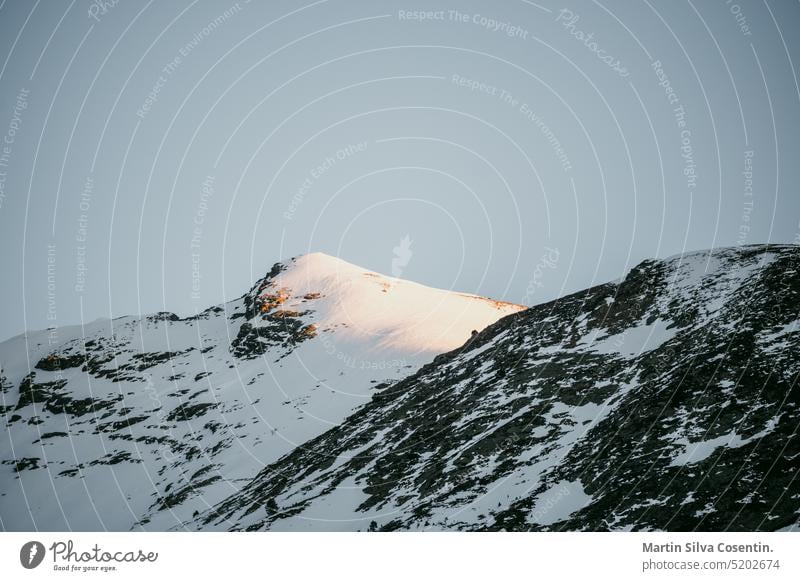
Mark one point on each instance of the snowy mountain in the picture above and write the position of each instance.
(145, 422)
(664, 401)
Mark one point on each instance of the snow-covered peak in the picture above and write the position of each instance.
(375, 311)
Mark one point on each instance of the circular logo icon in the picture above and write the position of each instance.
(31, 554)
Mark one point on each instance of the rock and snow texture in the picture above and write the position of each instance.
(147, 422)
(665, 401)
(317, 401)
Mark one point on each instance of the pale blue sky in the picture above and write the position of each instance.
(520, 164)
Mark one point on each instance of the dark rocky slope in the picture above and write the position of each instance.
(665, 401)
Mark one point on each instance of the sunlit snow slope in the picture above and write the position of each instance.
(377, 314)
(147, 421)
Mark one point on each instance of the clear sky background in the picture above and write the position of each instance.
(163, 155)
